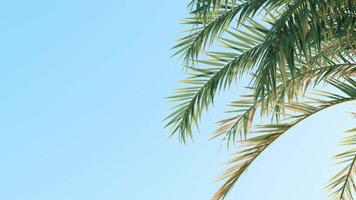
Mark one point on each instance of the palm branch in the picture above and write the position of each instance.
(342, 185)
(285, 47)
(296, 112)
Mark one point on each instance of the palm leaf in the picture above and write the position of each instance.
(268, 133)
(206, 82)
(241, 123)
(342, 185)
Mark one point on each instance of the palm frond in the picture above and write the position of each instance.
(205, 83)
(305, 43)
(212, 26)
(268, 133)
(242, 122)
(211, 18)
(342, 185)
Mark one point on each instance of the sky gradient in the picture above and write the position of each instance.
(81, 108)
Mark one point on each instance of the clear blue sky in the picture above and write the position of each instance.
(82, 86)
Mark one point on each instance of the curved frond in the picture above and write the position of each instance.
(267, 134)
(206, 82)
(307, 43)
(342, 185)
(242, 122)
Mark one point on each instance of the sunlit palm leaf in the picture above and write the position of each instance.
(287, 46)
(268, 133)
(342, 185)
(241, 123)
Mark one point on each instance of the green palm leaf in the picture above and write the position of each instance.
(286, 48)
(206, 82)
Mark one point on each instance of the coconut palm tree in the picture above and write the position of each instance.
(287, 49)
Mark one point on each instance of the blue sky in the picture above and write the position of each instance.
(81, 108)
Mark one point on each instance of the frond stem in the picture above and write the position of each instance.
(347, 178)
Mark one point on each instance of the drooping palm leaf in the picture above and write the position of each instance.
(342, 185)
(319, 68)
(206, 82)
(274, 55)
(287, 45)
(268, 133)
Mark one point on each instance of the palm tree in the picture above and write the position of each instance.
(287, 48)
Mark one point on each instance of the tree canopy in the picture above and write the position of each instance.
(286, 48)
